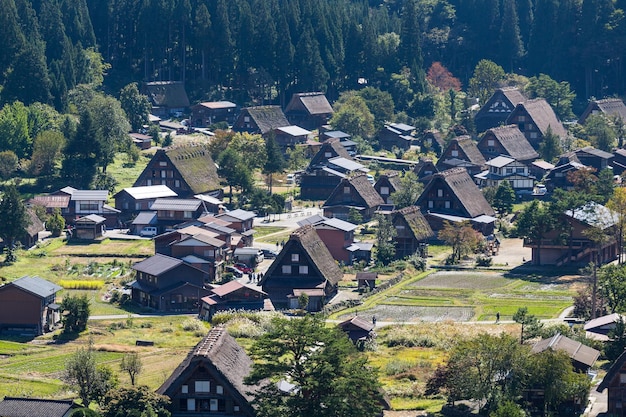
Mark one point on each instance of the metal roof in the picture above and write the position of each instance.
(239, 214)
(92, 195)
(150, 191)
(146, 217)
(176, 204)
(157, 264)
(36, 285)
(294, 130)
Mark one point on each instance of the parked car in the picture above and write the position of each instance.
(148, 231)
(237, 273)
(243, 268)
(269, 254)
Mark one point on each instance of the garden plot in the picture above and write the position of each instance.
(405, 313)
(463, 280)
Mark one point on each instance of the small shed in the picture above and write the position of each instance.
(357, 329)
(90, 227)
(366, 280)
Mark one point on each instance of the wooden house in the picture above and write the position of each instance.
(209, 112)
(210, 380)
(451, 195)
(136, 199)
(615, 382)
(338, 236)
(557, 176)
(412, 232)
(618, 163)
(304, 265)
(173, 211)
(260, 119)
(21, 407)
(167, 98)
(353, 193)
(577, 248)
(508, 141)
(289, 136)
(357, 329)
(168, 284)
(141, 141)
(143, 219)
(498, 108)
(583, 357)
(612, 107)
(28, 305)
(233, 295)
(396, 135)
(462, 152)
(424, 169)
(540, 168)
(344, 140)
(534, 118)
(309, 110)
(90, 227)
(594, 158)
(186, 170)
(504, 168)
(327, 168)
(386, 185)
(433, 141)
(206, 247)
(32, 231)
(366, 280)
(599, 328)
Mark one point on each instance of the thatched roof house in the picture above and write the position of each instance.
(353, 193)
(309, 110)
(534, 118)
(215, 367)
(304, 263)
(260, 119)
(186, 170)
(608, 107)
(509, 141)
(412, 232)
(498, 108)
(462, 152)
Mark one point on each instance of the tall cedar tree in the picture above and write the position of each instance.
(275, 162)
(14, 219)
(324, 366)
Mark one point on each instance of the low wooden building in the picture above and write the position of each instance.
(90, 227)
(232, 295)
(412, 232)
(28, 305)
(357, 329)
(354, 193)
(210, 380)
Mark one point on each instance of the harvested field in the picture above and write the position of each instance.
(463, 279)
(403, 313)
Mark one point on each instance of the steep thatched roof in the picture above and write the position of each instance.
(542, 115)
(267, 118)
(607, 106)
(312, 103)
(513, 141)
(469, 148)
(332, 147)
(318, 255)
(224, 359)
(413, 217)
(167, 93)
(35, 225)
(195, 165)
(362, 187)
(463, 188)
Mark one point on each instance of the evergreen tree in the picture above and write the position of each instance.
(504, 198)
(27, 79)
(14, 220)
(550, 147)
(511, 47)
(136, 106)
(410, 45)
(275, 162)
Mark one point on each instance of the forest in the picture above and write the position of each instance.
(261, 51)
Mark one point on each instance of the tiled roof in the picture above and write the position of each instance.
(157, 264)
(37, 286)
(175, 204)
(34, 407)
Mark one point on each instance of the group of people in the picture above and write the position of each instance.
(255, 278)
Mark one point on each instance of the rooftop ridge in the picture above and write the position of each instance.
(210, 340)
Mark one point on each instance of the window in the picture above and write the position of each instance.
(213, 404)
(346, 190)
(188, 214)
(88, 206)
(286, 269)
(490, 142)
(519, 170)
(163, 174)
(162, 163)
(203, 386)
(295, 257)
(235, 408)
(440, 192)
(149, 182)
(430, 204)
(447, 204)
(384, 190)
(529, 126)
(509, 170)
(137, 206)
(191, 404)
(184, 389)
(533, 135)
(303, 269)
(400, 227)
(177, 183)
(455, 153)
(622, 378)
(521, 118)
(219, 389)
(327, 155)
(246, 119)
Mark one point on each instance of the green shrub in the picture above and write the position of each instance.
(482, 260)
(397, 366)
(418, 262)
(193, 325)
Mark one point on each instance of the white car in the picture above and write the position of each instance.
(148, 231)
